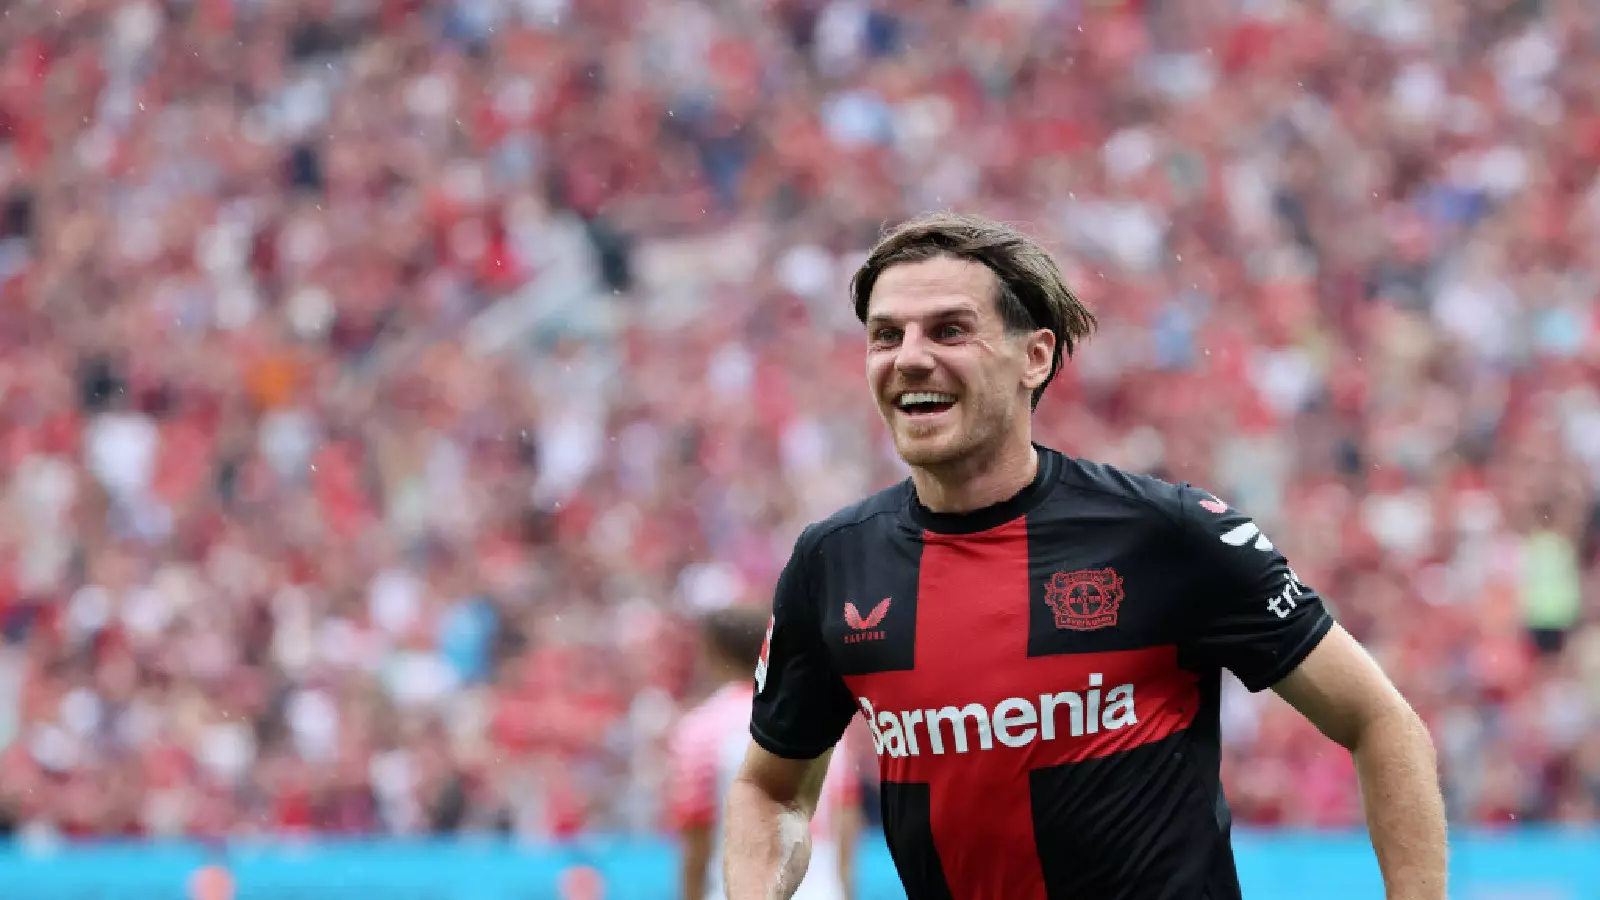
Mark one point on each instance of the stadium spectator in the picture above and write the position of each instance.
(385, 386)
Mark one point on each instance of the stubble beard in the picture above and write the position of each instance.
(977, 435)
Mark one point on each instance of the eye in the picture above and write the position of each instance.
(886, 335)
(949, 331)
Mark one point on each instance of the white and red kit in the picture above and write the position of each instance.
(707, 748)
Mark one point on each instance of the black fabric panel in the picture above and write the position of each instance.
(916, 858)
(1165, 845)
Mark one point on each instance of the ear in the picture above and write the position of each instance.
(1039, 347)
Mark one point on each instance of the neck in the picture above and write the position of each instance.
(975, 483)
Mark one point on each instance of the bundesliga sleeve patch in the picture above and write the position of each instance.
(761, 661)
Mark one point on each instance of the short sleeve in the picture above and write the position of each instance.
(801, 705)
(1254, 616)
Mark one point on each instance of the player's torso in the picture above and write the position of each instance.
(1023, 686)
(1063, 628)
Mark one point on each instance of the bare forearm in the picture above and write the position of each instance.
(767, 845)
(1405, 812)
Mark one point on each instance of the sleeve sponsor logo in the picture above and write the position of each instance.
(1287, 600)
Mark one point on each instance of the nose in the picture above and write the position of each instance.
(914, 356)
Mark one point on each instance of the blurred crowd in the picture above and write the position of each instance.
(385, 384)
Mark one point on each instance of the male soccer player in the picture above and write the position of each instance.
(707, 747)
(1036, 640)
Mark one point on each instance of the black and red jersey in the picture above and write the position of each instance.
(1041, 678)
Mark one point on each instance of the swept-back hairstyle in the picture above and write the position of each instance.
(1032, 293)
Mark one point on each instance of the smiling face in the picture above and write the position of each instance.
(950, 381)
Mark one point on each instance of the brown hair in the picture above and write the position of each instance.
(1032, 293)
(735, 633)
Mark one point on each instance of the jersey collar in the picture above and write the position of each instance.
(990, 516)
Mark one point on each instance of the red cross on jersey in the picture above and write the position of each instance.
(1041, 678)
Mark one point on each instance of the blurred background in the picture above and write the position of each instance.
(386, 384)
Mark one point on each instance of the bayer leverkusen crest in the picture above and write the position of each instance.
(1084, 600)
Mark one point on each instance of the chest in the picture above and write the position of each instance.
(1052, 645)
(1020, 591)
(1024, 618)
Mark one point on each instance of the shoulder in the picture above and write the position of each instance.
(874, 512)
(1110, 486)
(841, 536)
(1224, 541)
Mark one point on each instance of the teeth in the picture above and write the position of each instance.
(911, 397)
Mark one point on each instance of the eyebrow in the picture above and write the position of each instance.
(943, 312)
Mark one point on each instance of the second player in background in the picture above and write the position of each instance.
(707, 749)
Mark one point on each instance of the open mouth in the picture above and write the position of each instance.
(918, 404)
